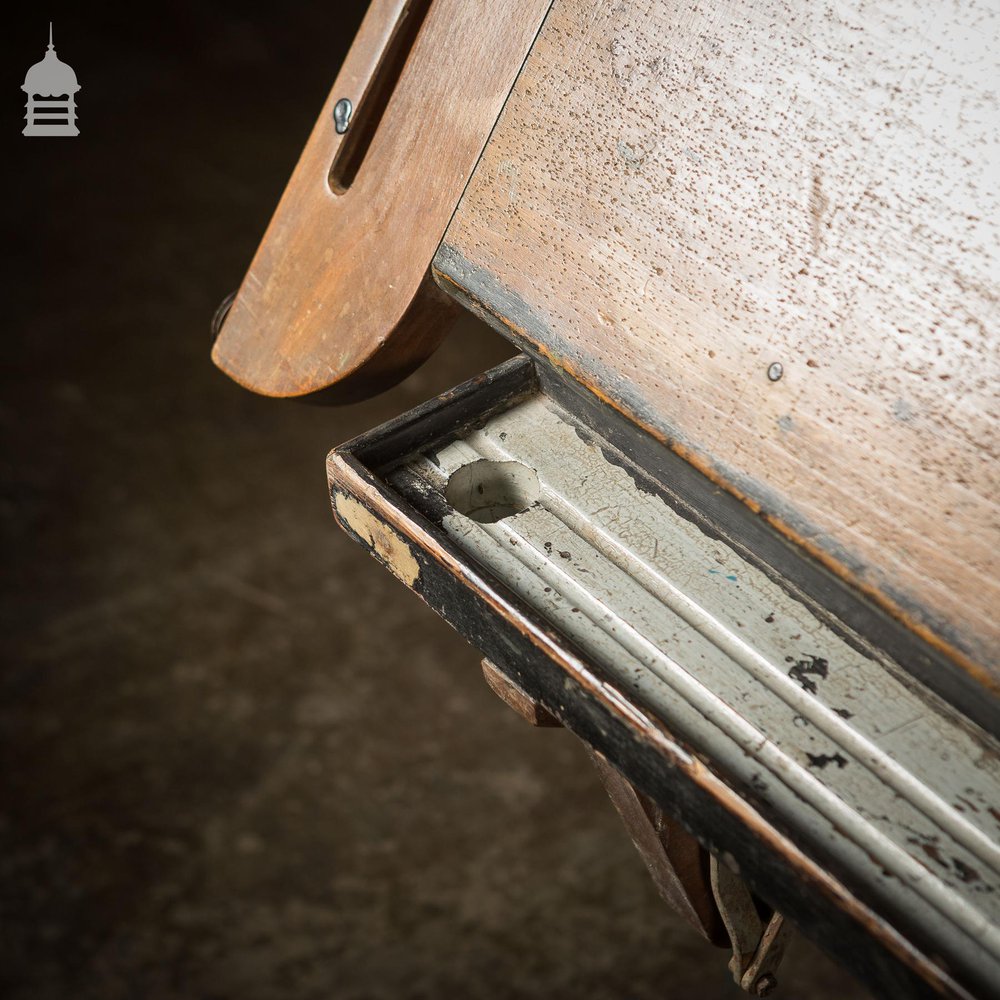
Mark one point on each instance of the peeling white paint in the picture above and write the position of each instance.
(879, 771)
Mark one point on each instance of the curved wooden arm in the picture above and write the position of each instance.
(338, 293)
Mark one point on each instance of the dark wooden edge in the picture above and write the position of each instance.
(729, 517)
(577, 692)
(434, 422)
(869, 629)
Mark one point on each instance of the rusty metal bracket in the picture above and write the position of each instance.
(758, 940)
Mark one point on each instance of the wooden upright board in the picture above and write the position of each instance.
(338, 294)
(680, 194)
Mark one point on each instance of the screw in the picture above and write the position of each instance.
(765, 985)
(775, 370)
(342, 112)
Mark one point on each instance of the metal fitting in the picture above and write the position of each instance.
(765, 985)
(342, 112)
(220, 314)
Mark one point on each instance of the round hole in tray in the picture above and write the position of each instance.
(490, 491)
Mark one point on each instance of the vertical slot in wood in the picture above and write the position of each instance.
(370, 107)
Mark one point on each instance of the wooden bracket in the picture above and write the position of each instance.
(676, 862)
(338, 293)
(515, 697)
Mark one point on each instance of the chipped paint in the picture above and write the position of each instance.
(389, 547)
(743, 671)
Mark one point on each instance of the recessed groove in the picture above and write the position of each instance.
(871, 768)
(370, 106)
(763, 670)
(867, 753)
(734, 727)
(750, 740)
(760, 667)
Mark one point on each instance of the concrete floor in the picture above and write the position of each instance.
(241, 760)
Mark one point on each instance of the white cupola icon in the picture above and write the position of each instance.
(51, 88)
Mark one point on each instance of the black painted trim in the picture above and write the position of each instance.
(872, 631)
(499, 624)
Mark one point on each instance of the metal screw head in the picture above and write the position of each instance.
(775, 370)
(342, 112)
(764, 985)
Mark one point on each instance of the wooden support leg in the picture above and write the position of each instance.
(677, 863)
(712, 899)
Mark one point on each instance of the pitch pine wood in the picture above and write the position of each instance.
(338, 292)
(679, 194)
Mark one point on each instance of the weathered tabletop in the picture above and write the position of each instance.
(678, 195)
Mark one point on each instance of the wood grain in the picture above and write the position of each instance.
(679, 194)
(515, 697)
(339, 293)
(676, 862)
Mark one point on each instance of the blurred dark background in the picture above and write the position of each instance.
(239, 759)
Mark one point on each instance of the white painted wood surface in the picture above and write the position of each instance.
(889, 780)
(679, 194)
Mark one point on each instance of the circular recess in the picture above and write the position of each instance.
(490, 491)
